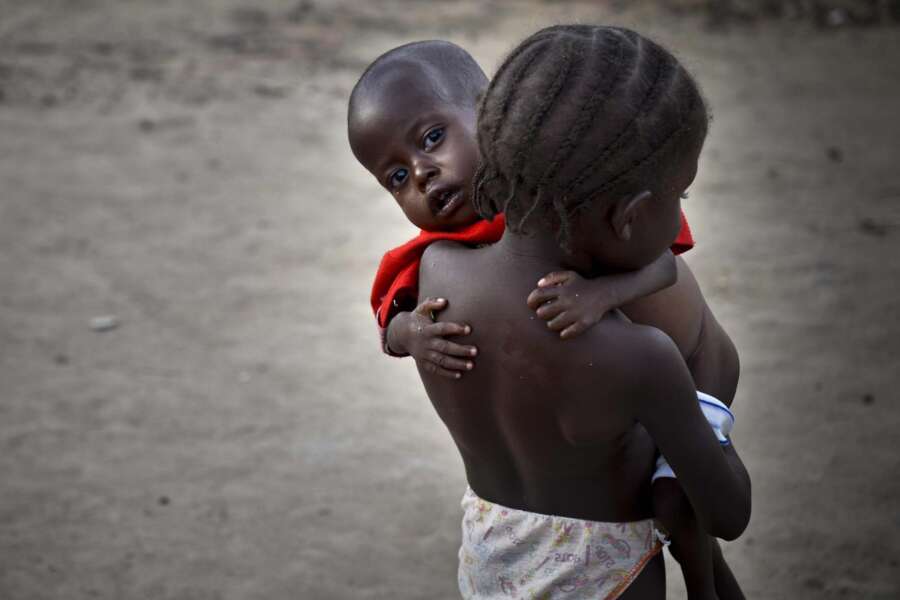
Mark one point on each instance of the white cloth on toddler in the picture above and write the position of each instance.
(719, 417)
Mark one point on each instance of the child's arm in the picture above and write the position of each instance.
(682, 312)
(416, 334)
(571, 304)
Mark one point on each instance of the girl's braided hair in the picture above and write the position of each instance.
(574, 115)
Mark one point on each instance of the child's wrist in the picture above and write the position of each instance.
(606, 296)
(395, 340)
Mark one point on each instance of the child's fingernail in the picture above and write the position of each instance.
(468, 329)
(442, 300)
(541, 281)
(469, 366)
(458, 375)
(473, 351)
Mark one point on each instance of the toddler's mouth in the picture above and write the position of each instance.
(444, 203)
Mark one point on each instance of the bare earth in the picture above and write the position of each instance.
(183, 167)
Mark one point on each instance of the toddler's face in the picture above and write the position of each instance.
(422, 150)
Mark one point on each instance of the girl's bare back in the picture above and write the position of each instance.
(542, 425)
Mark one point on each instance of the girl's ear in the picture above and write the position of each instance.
(624, 213)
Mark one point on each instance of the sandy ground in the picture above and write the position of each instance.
(183, 167)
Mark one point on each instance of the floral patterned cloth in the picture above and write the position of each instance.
(510, 553)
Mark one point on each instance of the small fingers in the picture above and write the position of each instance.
(444, 361)
(555, 278)
(541, 295)
(429, 305)
(575, 329)
(448, 328)
(560, 322)
(432, 368)
(550, 310)
(452, 348)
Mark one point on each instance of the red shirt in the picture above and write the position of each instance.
(397, 279)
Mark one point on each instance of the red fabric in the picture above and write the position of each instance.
(398, 273)
(684, 241)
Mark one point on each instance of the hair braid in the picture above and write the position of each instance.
(525, 149)
(623, 136)
(535, 203)
(531, 141)
(481, 202)
(669, 139)
(562, 214)
(518, 74)
(600, 88)
(486, 207)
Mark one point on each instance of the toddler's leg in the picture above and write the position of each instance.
(727, 586)
(706, 574)
(690, 544)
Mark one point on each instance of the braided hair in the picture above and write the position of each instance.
(574, 115)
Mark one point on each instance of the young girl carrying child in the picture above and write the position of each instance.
(411, 123)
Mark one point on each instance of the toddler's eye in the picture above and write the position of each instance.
(433, 137)
(397, 178)
(684, 195)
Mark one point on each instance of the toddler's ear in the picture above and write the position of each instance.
(624, 212)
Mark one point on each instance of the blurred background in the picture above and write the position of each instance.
(193, 401)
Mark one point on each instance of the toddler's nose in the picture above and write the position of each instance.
(424, 171)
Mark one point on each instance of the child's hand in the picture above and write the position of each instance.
(569, 303)
(425, 341)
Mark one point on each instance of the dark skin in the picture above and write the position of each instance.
(422, 150)
(713, 361)
(569, 429)
(427, 163)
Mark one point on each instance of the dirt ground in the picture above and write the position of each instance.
(235, 432)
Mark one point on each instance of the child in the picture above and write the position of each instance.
(411, 123)
(444, 211)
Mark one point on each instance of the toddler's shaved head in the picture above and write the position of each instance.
(443, 68)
